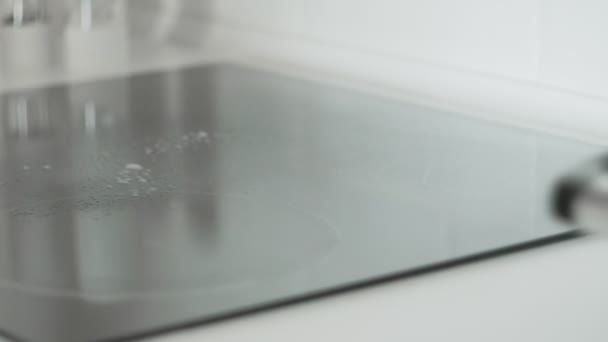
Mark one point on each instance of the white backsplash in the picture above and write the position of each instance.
(481, 35)
(573, 45)
(554, 42)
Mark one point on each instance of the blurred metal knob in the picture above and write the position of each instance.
(581, 197)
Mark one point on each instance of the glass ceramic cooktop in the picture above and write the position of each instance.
(135, 205)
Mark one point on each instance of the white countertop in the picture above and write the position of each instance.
(555, 293)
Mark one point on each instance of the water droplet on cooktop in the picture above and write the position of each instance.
(134, 167)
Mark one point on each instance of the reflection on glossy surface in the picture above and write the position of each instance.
(27, 115)
(136, 204)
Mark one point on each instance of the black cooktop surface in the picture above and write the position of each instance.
(133, 205)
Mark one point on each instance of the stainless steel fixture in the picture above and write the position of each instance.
(581, 197)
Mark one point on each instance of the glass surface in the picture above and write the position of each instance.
(143, 203)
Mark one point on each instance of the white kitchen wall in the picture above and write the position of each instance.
(482, 35)
(537, 62)
(555, 42)
(574, 45)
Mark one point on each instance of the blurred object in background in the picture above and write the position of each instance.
(24, 12)
(27, 37)
(183, 23)
(96, 35)
(581, 197)
(89, 14)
